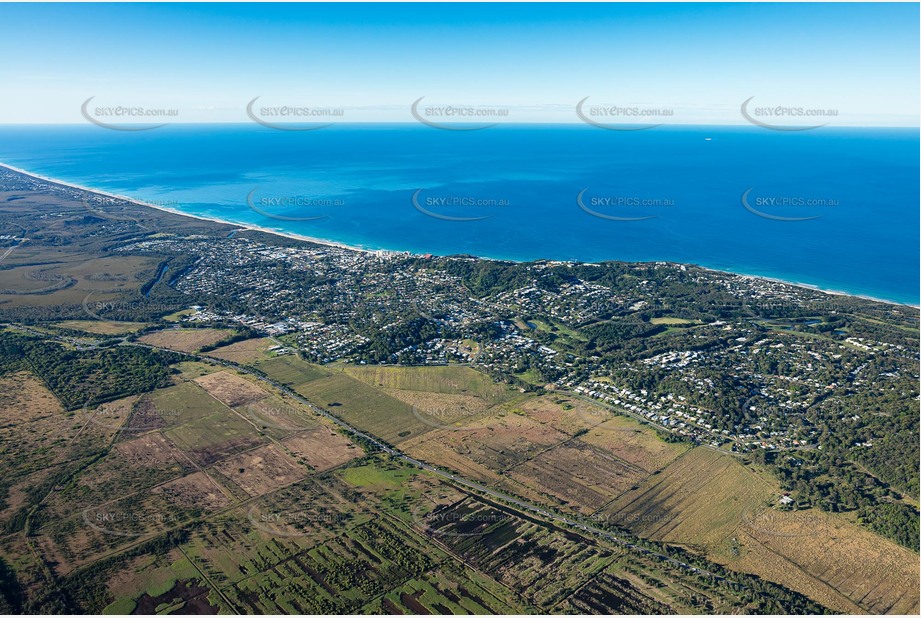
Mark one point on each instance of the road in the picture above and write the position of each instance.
(444, 474)
(397, 454)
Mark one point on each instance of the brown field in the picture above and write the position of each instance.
(568, 415)
(712, 503)
(194, 491)
(698, 500)
(151, 450)
(835, 557)
(496, 442)
(244, 352)
(281, 414)
(20, 388)
(262, 470)
(584, 476)
(322, 448)
(441, 407)
(100, 327)
(633, 443)
(185, 339)
(231, 389)
(435, 452)
(36, 433)
(74, 280)
(215, 437)
(110, 416)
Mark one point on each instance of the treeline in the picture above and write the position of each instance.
(240, 334)
(86, 377)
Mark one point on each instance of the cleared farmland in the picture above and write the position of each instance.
(714, 504)
(185, 339)
(365, 407)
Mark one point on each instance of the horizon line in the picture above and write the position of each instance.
(459, 124)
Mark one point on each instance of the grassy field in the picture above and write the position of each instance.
(447, 380)
(184, 403)
(712, 503)
(185, 339)
(33, 277)
(245, 352)
(672, 321)
(231, 388)
(38, 439)
(365, 407)
(700, 482)
(290, 370)
(566, 452)
(101, 327)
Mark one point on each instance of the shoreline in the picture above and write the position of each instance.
(339, 245)
(138, 202)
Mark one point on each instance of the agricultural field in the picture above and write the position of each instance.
(713, 504)
(581, 476)
(177, 456)
(671, 321)
(448, 380)
(244, 352)
(183, 403)
(438, 395)
(321, 448)
(185, 339)
(633, 443)
(365, 407)
(260, 470)
(290, 370)
(37, 438)
(231, 389)
(31, 279)
(102, 327)
(566, 452)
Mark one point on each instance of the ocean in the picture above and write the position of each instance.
(835, 208)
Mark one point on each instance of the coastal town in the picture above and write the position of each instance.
(722, 376)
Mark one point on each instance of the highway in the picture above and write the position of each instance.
(382, 446)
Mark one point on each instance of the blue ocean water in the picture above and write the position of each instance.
(836, 208)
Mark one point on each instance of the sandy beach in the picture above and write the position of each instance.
(330, 243)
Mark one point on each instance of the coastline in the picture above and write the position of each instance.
(242, 226)
(339, 245)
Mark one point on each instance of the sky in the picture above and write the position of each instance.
(686, 63)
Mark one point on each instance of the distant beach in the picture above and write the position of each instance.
(513, 193)
(329, 243)
(242, 226)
